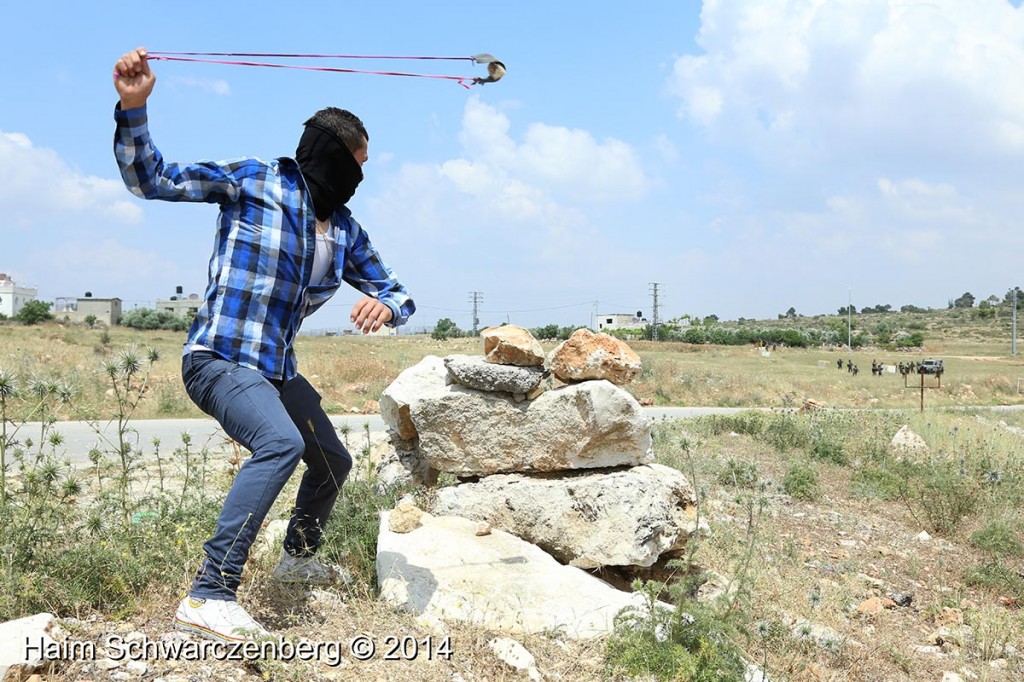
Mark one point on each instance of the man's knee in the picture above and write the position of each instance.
(290, 449)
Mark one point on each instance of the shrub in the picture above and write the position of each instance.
(998, 577)
(877, 483)
(146, 318)
(690, 642)
(801, 482)
(785, 431)
(999, 539)
(827, 450)
(747, 423)
(939, 495)
(738, 474)
(34, 312)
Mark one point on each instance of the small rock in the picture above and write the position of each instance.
(515, 656)
(405, 517)
(874, 606)
(107, 664)
(586, 355)
(923, 536)
(138, 668)
(120, 676)
(512, 345)
(999, 664)
(948, 616)
(927, 649)
(903, 599)
(950, 676)
(483, 528)
(873, 582)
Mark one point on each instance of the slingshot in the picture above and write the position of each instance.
(495, 69)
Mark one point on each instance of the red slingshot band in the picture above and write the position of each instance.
(495, 69)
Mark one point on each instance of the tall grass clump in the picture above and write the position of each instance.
(801, 482)
(682, 638)
(74, 541)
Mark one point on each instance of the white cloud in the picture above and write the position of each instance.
(853, 77)
(569, 162)
(211, 86)
(37, 186)
(528, 201)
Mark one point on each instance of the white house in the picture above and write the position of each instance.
(13, 297)
(609, 321)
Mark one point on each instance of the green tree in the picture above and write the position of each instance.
(90, 320)
(965, 301)
(34, 312)
(446, 329)
(548, 331)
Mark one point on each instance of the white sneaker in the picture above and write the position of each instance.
(307, 570)
(218, 619)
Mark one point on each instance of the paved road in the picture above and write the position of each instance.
(81, 437)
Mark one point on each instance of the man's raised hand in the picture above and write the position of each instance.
(133, 78)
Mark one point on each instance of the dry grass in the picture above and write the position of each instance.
(351, 372)
(819, 560)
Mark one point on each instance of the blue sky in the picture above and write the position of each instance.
(748, 155)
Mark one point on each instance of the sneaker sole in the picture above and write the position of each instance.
(205, 632)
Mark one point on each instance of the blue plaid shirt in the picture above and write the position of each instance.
(259, 290)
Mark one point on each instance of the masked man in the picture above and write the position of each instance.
(285, 241)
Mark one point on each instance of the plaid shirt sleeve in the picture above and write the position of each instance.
(367, 272)
(148, 177)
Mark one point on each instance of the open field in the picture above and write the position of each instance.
(816, 521)
(350, 372)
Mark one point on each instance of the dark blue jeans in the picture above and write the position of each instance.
(279, 424)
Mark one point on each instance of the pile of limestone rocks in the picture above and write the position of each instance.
(554, 464)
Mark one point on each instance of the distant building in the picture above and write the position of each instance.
(13, 297)
(609, 321)
(181, 305)
(383, 331)
(106, 311)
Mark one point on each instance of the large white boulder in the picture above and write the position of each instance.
(468, 432)
(444, 570)
(586, 519)
(30, 644)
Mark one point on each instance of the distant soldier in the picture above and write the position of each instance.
(839, 363)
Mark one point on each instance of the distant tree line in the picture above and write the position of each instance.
(147, 318)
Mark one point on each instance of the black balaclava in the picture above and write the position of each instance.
(332, 173)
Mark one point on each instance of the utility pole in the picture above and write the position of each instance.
(654, 317)
(1013, 342)
(594, 322)
(476, 298)
(849, 318)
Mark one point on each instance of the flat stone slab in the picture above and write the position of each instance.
(443, 569)
(472, 371)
